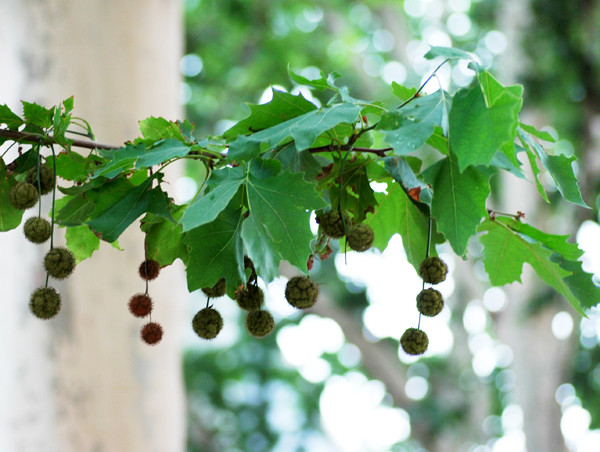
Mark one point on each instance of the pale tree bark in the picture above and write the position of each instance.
(84, 381)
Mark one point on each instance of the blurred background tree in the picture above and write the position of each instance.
(509, 369)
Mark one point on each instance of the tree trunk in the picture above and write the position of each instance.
(84, 381)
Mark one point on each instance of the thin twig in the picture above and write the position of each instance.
(49, 140)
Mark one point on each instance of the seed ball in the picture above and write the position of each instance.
(433, 270)
(259, 323)
(23, 195)
(59, 262)
(149, 269)
(140, 305)
(46, 178)
(430, 302)
(207, 323)
(301, 292)
(332, 224)
(414, 341)
(218, 290)
(44, 303)
(151, 333)
(360, 237)
(37, 230)
(250, 298)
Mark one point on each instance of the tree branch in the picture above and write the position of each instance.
(29, 137)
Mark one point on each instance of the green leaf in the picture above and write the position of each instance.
(535, 169)
(71, 166)
(357, 194)
(278, 224)
(119, 160)
(323, 83)
(300, 162)
(447, 52)
(401, 171)
(75, 212)
(154, 129)
(161, 152)
(580, 282)
(560, 168)
(164, 238)
(505, 251)
(458, 200)
(223, 184)
(37, 115)
(537, 133)
(303, 129)
(10, 217)
(82, 242)
(483, 118)
(281, 108)
(401, 92)
(216, 251)
(7, 117)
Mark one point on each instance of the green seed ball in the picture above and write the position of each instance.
(207, 323)
(218, 290)
(360, 237)
(332, 223)
(37, 230)
(23, 195)
(433, 270)
(259, 323)
(414, 341)
(301, 292)
(59, 262)
(45, 303)
(250, 298)
(430, 302)
(46, 178)
(151, 333)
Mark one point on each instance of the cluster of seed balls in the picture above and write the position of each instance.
(59, 262)
(336, 225)
(140, 304)
(430, 303)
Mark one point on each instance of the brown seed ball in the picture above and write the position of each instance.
(207, 323)
(218, 290)
(414, 341)
(44, 303)
(259, 323)
(301, 292)
(37, 230)
(360, 237)
(140, 305)
(151, 333)
(332, 224)
(23, 195)
(433, 270)
(46, 178)
(59, 262)
(149, 269)
(430, 302)
(250, 298)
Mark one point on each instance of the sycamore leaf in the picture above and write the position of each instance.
(537, 133)
(535, 169)
(75, 212)
(37, 115)
(505, 251)
(216, 251)
(482, 119)
(10, 217)
(154, 129)
(402, 172)
(323, 83)
(278, 225)
(7, 117)
(282, 107)
(458, 200)
(300, 162)
(161, 152)
(81, 241)
(401, 92)
(447, 52)
(164, 238)
(71, 166)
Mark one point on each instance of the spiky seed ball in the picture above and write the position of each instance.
(140, 305)
(250, 297)
(46, 178)
(430, 302)
(360, 237)
(218, 290)
(433, 270)
(59, 262)
(414, 341)
(151, 333)
(23, 195)
(332, 224)
(259, 323)
(44, 303)
(301, 292)
(149, 269)
(207, 323)
(37, 230)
